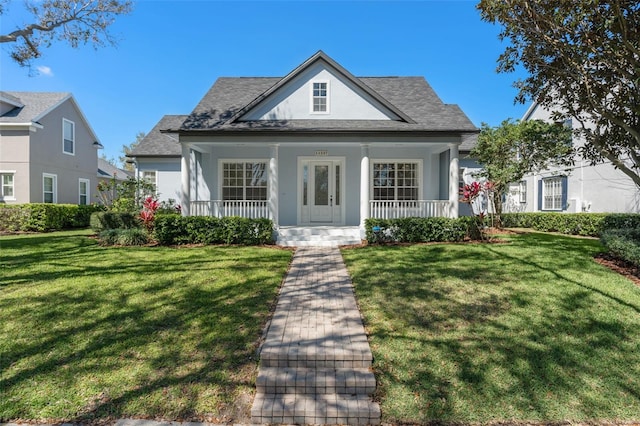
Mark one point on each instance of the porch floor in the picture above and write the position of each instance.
(318, 236)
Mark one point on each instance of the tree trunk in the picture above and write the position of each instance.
(496, 197)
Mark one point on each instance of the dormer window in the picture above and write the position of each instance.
(320, 97)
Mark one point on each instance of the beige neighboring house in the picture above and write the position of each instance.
(48, 150)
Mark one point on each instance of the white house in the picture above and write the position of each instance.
(582, 188)
(316, 149)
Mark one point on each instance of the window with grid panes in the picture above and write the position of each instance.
(395, 181)
(244, 181)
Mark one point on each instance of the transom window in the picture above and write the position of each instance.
(395, 181)
(6, 185)
(68, 137)
(552, 193)
(320, 96)
(244, 181)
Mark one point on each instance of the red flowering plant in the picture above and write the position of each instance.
(148, 212)
(476, 194)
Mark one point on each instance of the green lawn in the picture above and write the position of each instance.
(533, 330)
(93, 332)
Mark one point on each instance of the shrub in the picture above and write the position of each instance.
(417, 229)
(172, 229)
(585, 224)
(101, 221)
(41, 217)
(124, 237)
(623, 243)
(621, 221)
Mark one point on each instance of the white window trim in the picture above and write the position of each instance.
(55, 186)
(521, 199)
(73, 136)
(88, 194)
(221, 162)
(544, 193)
(327, 98)
(374, 161)
(8, 197)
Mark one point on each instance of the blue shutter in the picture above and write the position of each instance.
(540, 195)
(564, 182)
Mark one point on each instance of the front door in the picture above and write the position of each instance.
(322, 191)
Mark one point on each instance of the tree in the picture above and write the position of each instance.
(583, 60)
(128, 149)
(74, 21)
(515, 148)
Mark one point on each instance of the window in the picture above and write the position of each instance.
(244, 181)
(395, 181)
(68, 137)
(552, 193)
(7, 185)
(151, 177)
(522, 191)
(320, 97)
(49, 188)
(83, 191)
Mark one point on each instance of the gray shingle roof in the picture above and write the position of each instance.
(420, 109)
(108, 170)
(159, 144)
(36, 104)
(412, 95)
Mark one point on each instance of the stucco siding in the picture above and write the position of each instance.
(47, 156)
(168, 176)
(599, 188)
(14, 157)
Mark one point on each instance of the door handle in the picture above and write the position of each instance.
(330, 200)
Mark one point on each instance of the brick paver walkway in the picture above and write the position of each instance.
(315, 361)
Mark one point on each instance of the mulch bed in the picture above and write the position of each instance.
(620, 266)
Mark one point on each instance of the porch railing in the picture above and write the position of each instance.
(221, 208)
(418, 208)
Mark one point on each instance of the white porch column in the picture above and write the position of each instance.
(273, 184)
(185, 171)
(454, 177)
(364, 185)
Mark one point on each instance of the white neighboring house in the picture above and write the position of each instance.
(581, 188)
(48, 150)
(316, 149)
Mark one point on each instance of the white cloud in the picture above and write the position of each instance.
(43, 70)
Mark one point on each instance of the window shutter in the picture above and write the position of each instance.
(564, 182)
(540, 195)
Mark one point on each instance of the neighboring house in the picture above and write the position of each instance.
(316, 148)
(107, 172)
(48, 151)
(582, 188)
(157, 158)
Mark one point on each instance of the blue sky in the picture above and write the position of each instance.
(170, 52)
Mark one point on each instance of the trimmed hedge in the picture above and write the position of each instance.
(585, 224)
(173, 229)
(101, 221)
(418, 229)
(41, 217)
(124, 237)
(623, 243)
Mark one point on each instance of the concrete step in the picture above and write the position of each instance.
(318, 409)
(346, 381)
(319, 236)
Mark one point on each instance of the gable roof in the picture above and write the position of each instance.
(410, 98)
(108, 171)
(157, 143)
(33, 106)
